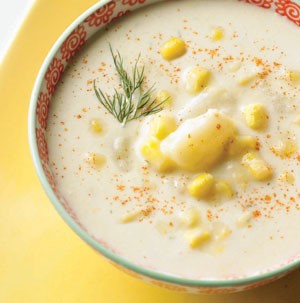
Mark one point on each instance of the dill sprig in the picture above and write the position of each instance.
(131, 102)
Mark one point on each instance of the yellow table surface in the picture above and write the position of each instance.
(41, 259)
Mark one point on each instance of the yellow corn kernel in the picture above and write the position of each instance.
(162, 126)
(95, 126)
(256, 116)
(217, 34)
(165, 97)
(223, 233)
(287, 177)
(197, 237)
(257, 167)
(242, 144)
(152, 153)
(246, 79)
(190, 218)
(294, 76)
(130, 217)
(173, 49)
(297, 121)
(248, 142)
(224, 188)
(285, 149)
(196, 80)
(202, 186)
(95, 160)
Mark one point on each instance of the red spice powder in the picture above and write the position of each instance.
(256, 213)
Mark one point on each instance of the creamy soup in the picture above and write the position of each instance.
(203, 182)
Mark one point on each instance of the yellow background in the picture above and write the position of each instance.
(41, 259)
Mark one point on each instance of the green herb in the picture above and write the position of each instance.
(131, 102)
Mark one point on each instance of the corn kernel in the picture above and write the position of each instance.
(297, 121)
(95, 126)
(190, 218)
(244, 219)
(248, 142)
(240, 178)
(246, 79)
(285, 149)
(196, 238)
(95, 160)
(257, 167)
(152, 153)
(165, 97)
(224, 233)
(256, 116)
(202, 186)
(294, 76)
(217, 34)
(196, 80)
(173, 49)
(234, 66)
(162, 126)
(242, 144)
(287, 177)
(130, 217)
(224, 188)
(163, 227)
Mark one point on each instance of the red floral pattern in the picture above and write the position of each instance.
(69, 210)
(102, 15)
(49, 177)
(73, 43)
(42, 109)
(261, 283)
(120, 14)
(289, 9)
(261, 3)
(42, 145)
(132, 2)
(53, 74)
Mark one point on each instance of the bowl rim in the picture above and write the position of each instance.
(106, 252)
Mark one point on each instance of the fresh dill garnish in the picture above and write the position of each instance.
(131, 102)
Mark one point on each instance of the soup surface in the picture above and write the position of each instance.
(208, 187)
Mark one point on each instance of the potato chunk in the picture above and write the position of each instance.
(199, 143)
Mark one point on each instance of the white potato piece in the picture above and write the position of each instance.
(213, 97)
(199, 143)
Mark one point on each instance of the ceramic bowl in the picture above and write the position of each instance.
(92, 21)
